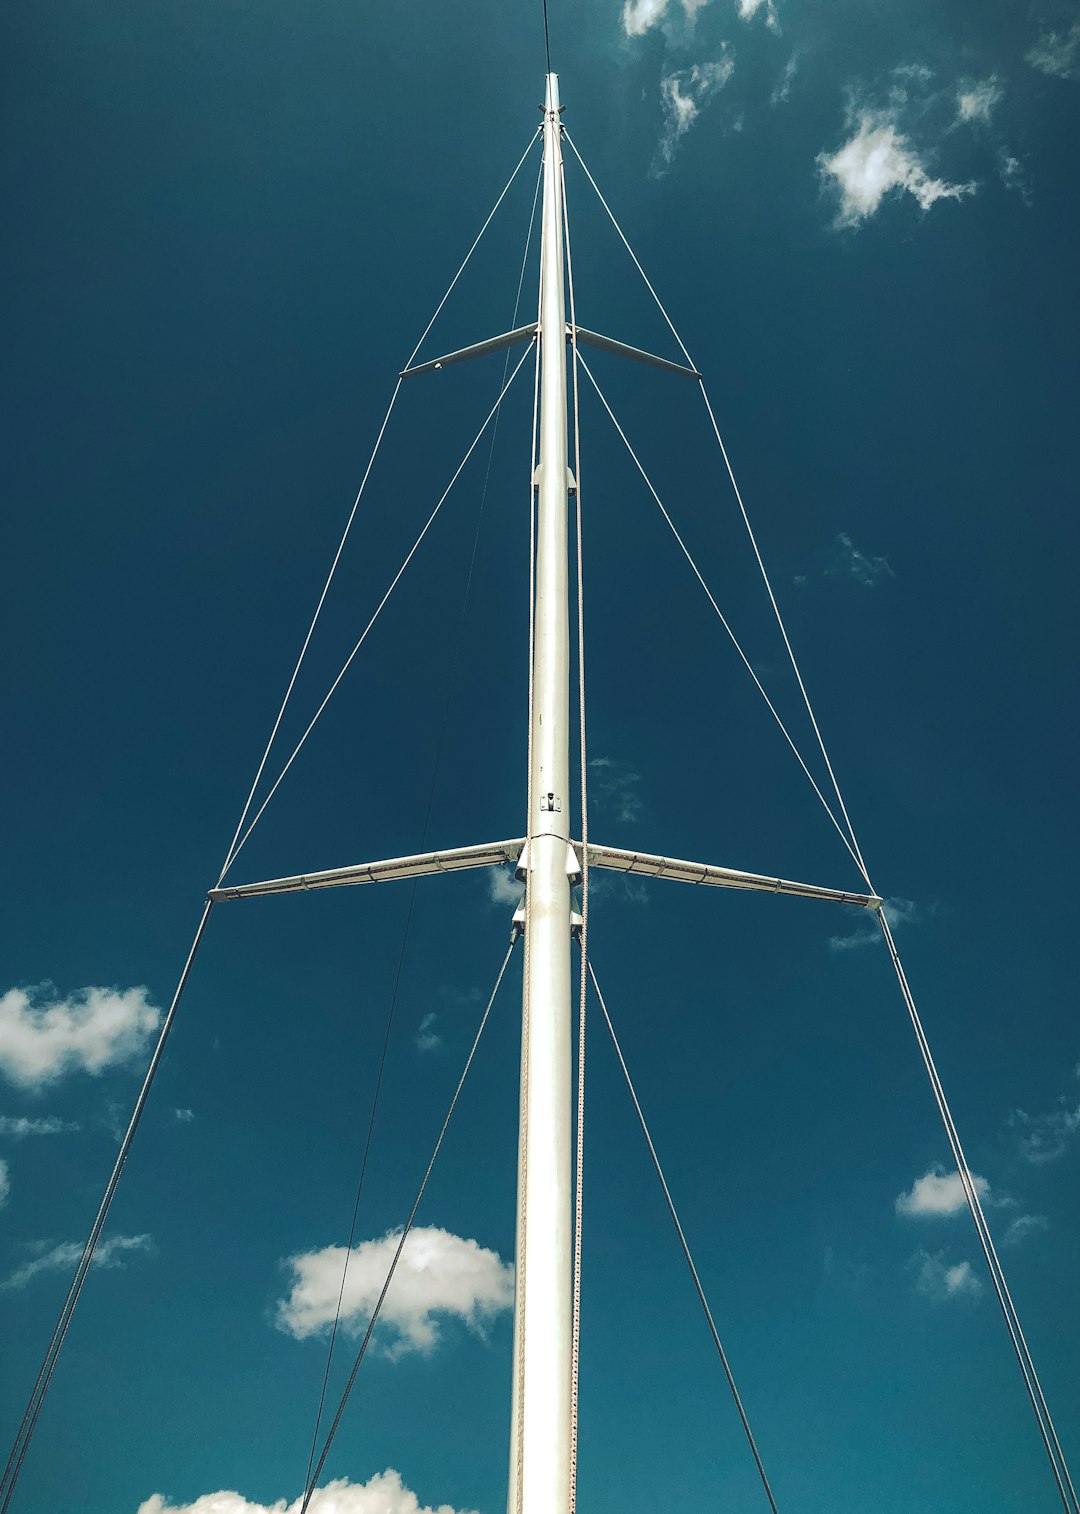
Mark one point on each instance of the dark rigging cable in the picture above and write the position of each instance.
(310, 1488)
(25, 1432)
(450, 681)
(686, 1249)
(547, 39)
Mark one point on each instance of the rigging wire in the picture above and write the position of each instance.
(450, 681)
(579, 1141)
(1051, 1442)
(48, 1366)
(744, 1419)
(547, 38)
(380, 607)
(233, 848)
(312, 1482)
(719, 613)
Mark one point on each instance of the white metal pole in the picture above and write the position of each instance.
(540, 1427)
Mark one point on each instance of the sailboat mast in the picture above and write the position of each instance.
(540, 1425)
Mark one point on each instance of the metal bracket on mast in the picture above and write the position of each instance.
(571, 481)
(573, 864)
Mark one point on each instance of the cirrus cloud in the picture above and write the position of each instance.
(684, 93)
(1057, 53)
(64, 1257)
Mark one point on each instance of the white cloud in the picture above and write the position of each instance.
(439, 1273)
(938, 1194)
(897, 912)
(683, 94)
(639, 16)
(1023, 1226)
(19, 1126)
(848, 561)
(503, 887)
(427, 1038)
(940, 1281)
(5, 1182)
(183, 1116)
(748, 9)
(975, 101)
(876, 160)
(1057, 53)
(385, 1493)
(1045, 1137)
(65, 1257)
(614, 785)
(783, 87)
(1011, 173)
(42, 1037)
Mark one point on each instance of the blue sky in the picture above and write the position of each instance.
(227, 227)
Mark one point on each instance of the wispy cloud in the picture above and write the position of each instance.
(1011, 173)
(5, 1182)
(427, 1038)
(112, 1252)
(866, 930)
(848, 561)
(942, 1281)
(1023, 1226)
(1046, 1137)
(439, 1274)
(1057, 53)
(18, 1127)
(615, 787)
(385, 1493)
(782, 91)
(43, 1036)
(880, 159)
(977, 99)
(683, 94)
(939, 1194)
(873, 162)
(183, 1116)
(503, 888)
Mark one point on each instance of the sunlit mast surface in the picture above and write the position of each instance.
(540, 1425)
